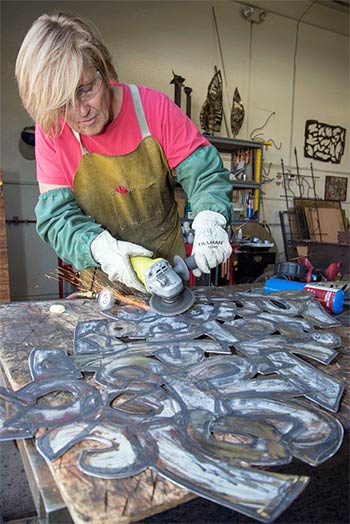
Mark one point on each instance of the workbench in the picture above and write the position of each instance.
(62, 493)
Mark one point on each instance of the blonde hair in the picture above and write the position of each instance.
(50, 63)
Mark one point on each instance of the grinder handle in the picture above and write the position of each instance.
(181, 266)
(191, 262)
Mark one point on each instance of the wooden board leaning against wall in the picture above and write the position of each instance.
(4, 271)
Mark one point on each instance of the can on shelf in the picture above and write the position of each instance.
(250, 207)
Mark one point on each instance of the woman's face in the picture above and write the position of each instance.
(93, 108)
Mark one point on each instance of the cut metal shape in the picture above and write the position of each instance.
(265, 445)
(44, 361)
(27, 415)
(260, 495)
(95, 336)
(283, 319)
(318, 315)
(325, 390)
(257, 346)
(276, 304)
(322, 388)
(159, 328)
(175, 353)
(313, 436)
(296, 330)
(250, 327)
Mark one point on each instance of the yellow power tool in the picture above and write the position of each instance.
(166, 283)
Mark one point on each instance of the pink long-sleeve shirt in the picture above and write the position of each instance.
(57, 159)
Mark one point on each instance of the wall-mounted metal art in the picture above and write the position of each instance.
(324, 142)
(336, 188)
(237, 113)
(212, 110)
(203, 398)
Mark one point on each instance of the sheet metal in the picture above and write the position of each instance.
(157, 401)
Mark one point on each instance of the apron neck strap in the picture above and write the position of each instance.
(140, 114)
(77, 136)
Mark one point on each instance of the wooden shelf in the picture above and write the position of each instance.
(227, 145)
(245, 184)
(233, 145)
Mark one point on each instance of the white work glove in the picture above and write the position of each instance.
(113, 257)
(211, 244)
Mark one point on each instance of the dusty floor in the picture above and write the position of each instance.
(15, 498)
(16, 501)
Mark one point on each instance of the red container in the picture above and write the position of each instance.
(332, 299)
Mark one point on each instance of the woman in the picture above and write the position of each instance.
(106, 158)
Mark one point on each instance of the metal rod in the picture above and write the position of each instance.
(178, 82)
(188, 91)
(293, 174)
(298, 172)
(284, 185)
(316, 203)
(313, 180)
(177, 95)
(302, 215)
(223, 67)
(287, 206)
(15, 220)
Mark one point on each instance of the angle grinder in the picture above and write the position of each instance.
(165, 283)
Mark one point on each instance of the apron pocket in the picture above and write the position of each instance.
(137, 205)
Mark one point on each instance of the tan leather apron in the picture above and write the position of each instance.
(132, 195)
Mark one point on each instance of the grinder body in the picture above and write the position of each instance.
(158, 276)
(165, 283)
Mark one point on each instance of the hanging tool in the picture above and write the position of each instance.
(169, 295)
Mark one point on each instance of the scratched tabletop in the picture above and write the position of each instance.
(28, 325)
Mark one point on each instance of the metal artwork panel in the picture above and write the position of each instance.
(203, 398)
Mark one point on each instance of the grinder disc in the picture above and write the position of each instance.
(170, 308)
